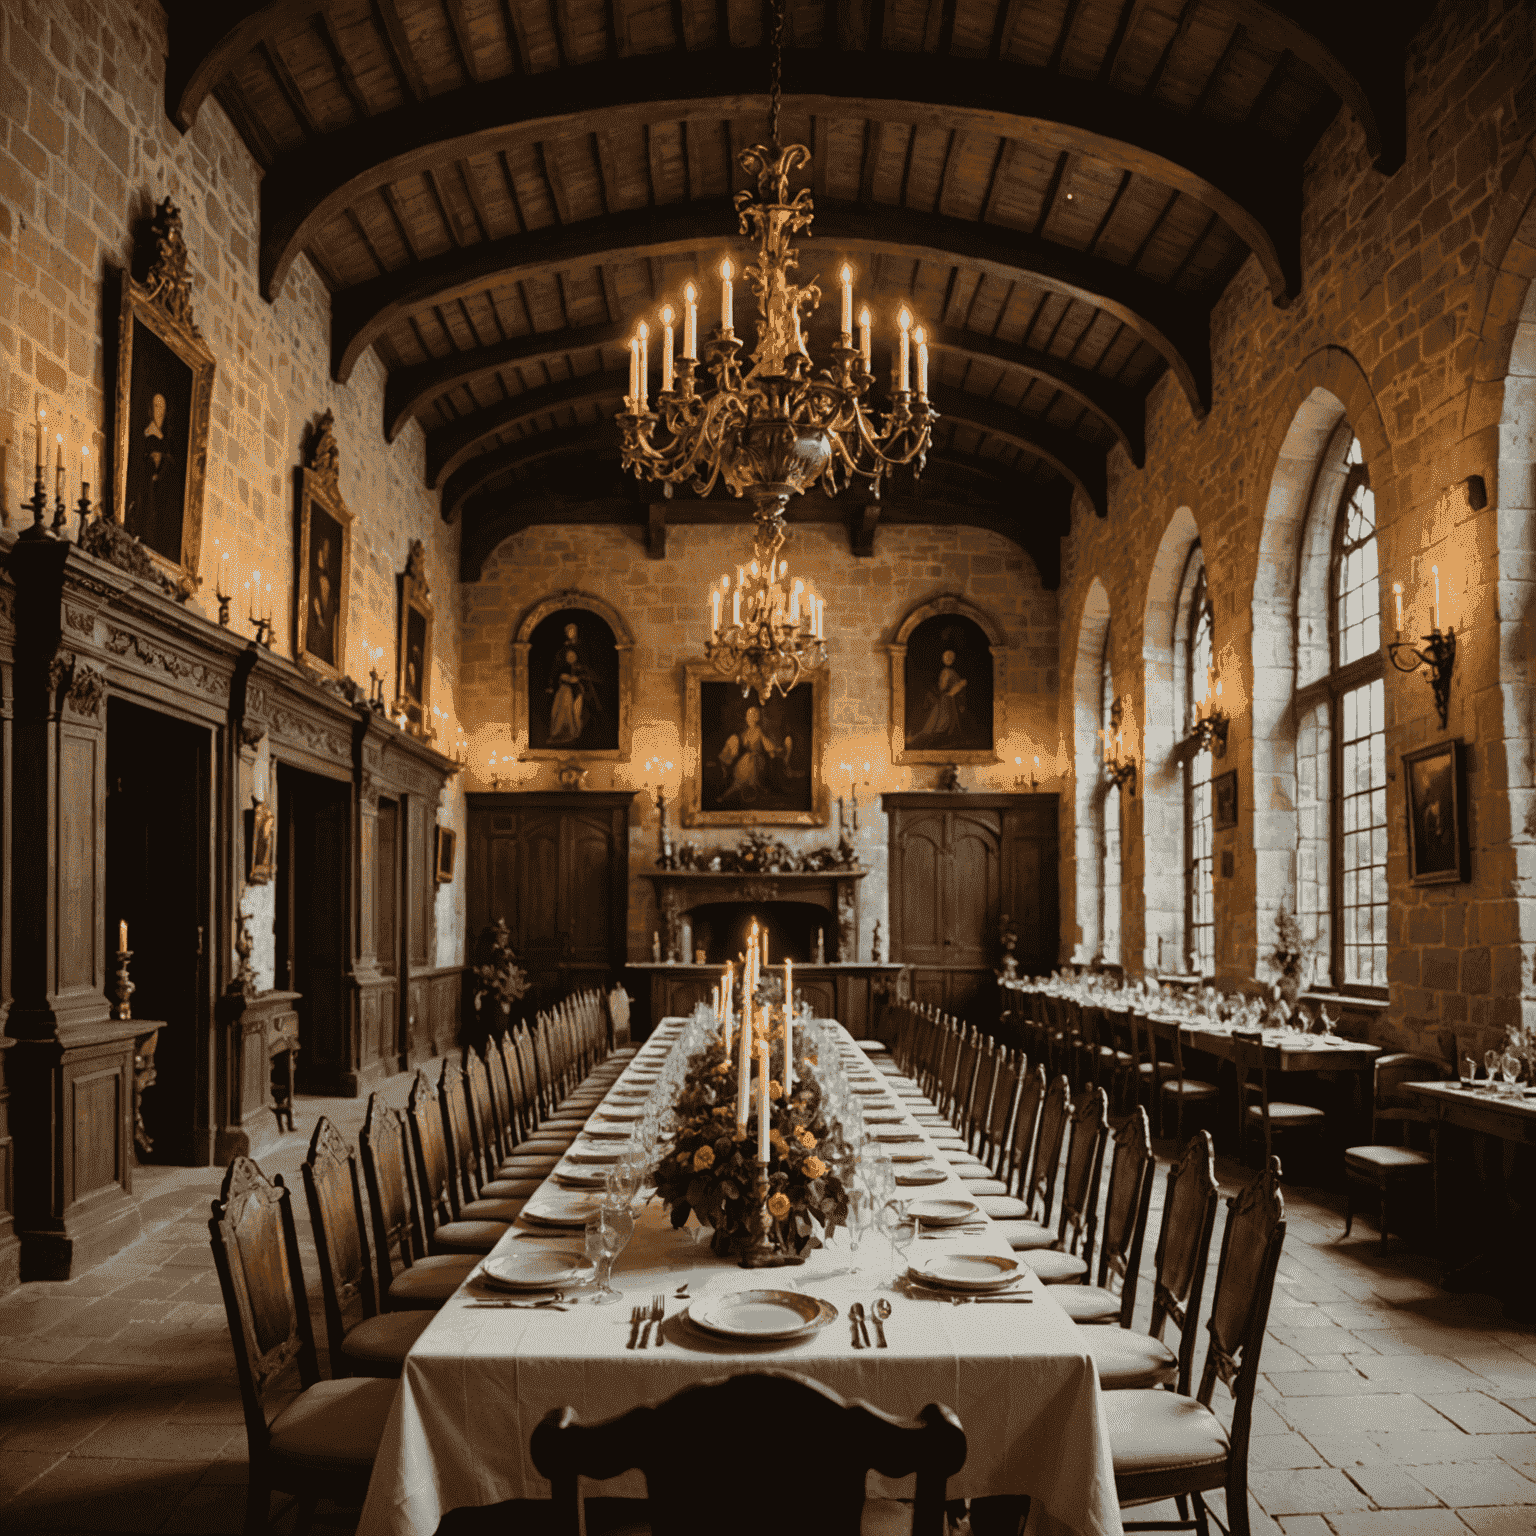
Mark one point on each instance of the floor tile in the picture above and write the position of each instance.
(1306, 1493)
(1500, 1522)
(1466, 1484)
(1392, 1488)
(1398, 1522)
(1477, 1413)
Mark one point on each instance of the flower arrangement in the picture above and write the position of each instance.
(709, 1169)
(501, 979)
(1291, 956)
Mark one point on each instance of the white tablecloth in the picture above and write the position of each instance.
(478, 1380)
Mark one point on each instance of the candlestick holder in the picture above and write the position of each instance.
(1210, 733)
(1438, 657)
(1019, 781)
(60, 511)
(764, 1250)
(125, 988)
(37, 505)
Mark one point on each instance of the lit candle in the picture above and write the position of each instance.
(904, 369)
(920, 336)
(85, 466)
(666, 354)
(864, 335)
(634, 371)
(763, 940)
(821, 613)
(714, 617)
(642, 336)
(58, 467)
(1397, 600)
(794, 602)
(690, 321)
(789, 1027)
(744, 1063)
(762, 1101)
(727, 307)
(122, 937)
(1434, 613)
(846, 278)
(736, 606)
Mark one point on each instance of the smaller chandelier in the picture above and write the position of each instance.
(766, 631)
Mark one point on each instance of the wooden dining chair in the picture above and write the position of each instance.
(689, 1450)
(409, 1278)
(1171, 1445)
(322, 1443)
(1174, 1086)
(1125, 1358)
(1258, 1113)
(1389, 1167)
(1067, 1255)
(513, 1160)
(530, 1142)
(463, 1156)
(620, 1047)
(450, 1225)
(363, 1340)
(1112, 1298)
(1039, 1127)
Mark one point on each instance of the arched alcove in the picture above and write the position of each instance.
(1088, 801)
(1160, 785)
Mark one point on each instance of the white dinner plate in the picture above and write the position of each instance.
(607, 1133)
(557, 1208)
(757, 1314)
(927, 1174)
(884, 1119)
(533, 1268)
(575, 1178)
(619, 1112)
(869, 1088)
(943, 1213)
(906, 1155)
(967, 1271)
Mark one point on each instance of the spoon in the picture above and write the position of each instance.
(882, 1310)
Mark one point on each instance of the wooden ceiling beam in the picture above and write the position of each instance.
(1177, 327)
(1251, 182)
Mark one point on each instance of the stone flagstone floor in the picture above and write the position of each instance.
(1387, 1407)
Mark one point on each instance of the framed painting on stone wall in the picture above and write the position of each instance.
(945, 703)
(324, 558)
(163, 401)
(1435, 779)
(750, 764)
(1224, 800)
(447, 846)
(413, 651)
(571, 681)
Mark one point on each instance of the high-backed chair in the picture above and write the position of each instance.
(1169, 1445)
(689, 1450)
(1127, 1359)
(1175, 1088)
(1391, 1166)
(1126, 1205)
(1069, 1254)
(323, 1443)
(618, 1024)
(363, 1340)
(1039, 1128)
(1258, 1113)
(450, 1225)
(409, 1278)
(463, 1157)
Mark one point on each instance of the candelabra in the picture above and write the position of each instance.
(766, 1250)
(1438, 657)
(1019, 780)
(1210, 733)
(262, 624)
(124, 989)
(1119, 765)
(223, 597)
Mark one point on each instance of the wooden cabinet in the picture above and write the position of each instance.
(556, 868)
(959, 863)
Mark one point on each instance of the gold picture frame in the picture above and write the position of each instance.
(727, 784)
(261, 844)
(443, 854)
(605, 649)
(164, 401)
(413, 648)
(923, 684)
(323, 581)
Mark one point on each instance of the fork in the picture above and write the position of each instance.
(636, 1317)
(658, 1311)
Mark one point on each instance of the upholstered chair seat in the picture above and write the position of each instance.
(377, 1346)
(430, 1281)
(1125, 1359)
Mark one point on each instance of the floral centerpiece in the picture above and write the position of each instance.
(500, 981)
(709, 1166)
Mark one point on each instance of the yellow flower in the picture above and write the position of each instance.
(775, 1089)
(778, 1207)
(683, 1157)
(776, 1137)
(704, 1158)
(814, 1167)
(806, 1140)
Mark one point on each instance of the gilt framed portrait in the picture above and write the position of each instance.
(413, 649)
(163, 400)
(1224, 800)
(260, 843)
(324, 546)
(1435, 779)
(750, 764)
(946, 706)
(571, 681)
(447, 846)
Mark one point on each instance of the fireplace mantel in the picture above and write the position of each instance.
(835, 890)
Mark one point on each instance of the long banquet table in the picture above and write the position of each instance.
(479, 1380)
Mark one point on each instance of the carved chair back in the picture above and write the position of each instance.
(391, 1191)
(549, 1085)
(618, 1017)
(1190, 1197)
(978, 1107)
(1003, 1096)
(519, 1104)
(457, 1138)
(527, 1060)
(1016, 1124)
(256, 1254)
(1055, 1110)
(686, 1448)
(1126, 1206)
(1080, 1183)
(502, 1136)
(435, 1175)
(1389, 1104)
(335, 1203)
(482, 1117)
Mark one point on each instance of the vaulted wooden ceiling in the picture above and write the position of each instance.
(495, 190)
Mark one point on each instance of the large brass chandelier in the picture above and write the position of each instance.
(768, 426)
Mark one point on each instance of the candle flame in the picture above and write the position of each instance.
(904, 317)
(864, 314)
(920, 336)
(666, 314)
(845, 275)
(727, 271)
(642, 331)
(690, 293)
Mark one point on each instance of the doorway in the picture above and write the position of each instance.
(158, 858)
(313, 862)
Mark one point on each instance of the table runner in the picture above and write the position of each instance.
(478, 1380)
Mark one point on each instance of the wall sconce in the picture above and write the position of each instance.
(1119, 765)
(1019, 781)
(1438, 655)
(660, 767)
(460, 751)
(1211, 719)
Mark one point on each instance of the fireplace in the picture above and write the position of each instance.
(720, 909)
(720, 929)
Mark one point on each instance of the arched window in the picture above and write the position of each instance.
(1109, 829)
(1199, 895)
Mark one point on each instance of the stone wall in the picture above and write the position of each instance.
(87, 152)
(663, 604)
(1409, 311)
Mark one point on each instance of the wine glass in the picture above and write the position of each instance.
(901, 1230)
(622, 1181)
(609, 1229)
(1491, 1062)
(1509, 1066)
(1468, 1071)
(860, 1212)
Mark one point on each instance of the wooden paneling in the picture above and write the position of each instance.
(80, 855)
(97, 1098)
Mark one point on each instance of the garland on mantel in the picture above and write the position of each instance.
(759, 854)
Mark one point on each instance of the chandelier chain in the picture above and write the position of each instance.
(775, 89)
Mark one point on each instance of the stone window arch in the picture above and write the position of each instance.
(1088, 777)
(1194, 654)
